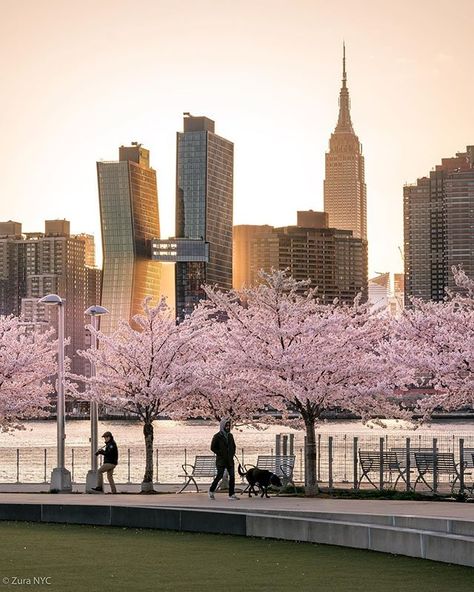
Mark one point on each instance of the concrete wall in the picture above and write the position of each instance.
(438, 539)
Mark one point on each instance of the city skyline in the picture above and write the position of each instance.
(268, 72)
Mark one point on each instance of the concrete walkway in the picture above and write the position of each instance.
(450, 510)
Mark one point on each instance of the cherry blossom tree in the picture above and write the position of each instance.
(301, 355)
(433, 343)
(214, 390)
(138, 370)
(27, 362)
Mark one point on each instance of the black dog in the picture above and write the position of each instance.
(261, 478)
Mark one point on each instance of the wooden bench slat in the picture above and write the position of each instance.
(444, 461)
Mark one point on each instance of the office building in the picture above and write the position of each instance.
(439, 227)
(128, 199)
(242, 272)
(345, 193)
(334, 261)
(204, 209)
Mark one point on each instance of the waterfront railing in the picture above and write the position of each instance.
(338, 461)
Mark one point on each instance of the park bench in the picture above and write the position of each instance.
(370, 462)
(441, 463)
(468, 457)
(402, 455)
(203, 467)
(282, 466)
(402, 458)
(468, 454)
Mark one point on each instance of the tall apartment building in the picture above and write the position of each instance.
(439, 227)
(33, 265)
(204, 210)
(13, 271)
(128, 197)
(334, 261)
(345, 193)
(89, 244)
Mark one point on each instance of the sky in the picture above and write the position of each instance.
(79, 79)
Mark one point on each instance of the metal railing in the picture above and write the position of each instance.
(337, 460)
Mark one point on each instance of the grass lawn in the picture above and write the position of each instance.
(78, 558)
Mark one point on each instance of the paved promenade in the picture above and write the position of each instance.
(449, 510)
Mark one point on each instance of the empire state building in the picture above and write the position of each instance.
(345, 193)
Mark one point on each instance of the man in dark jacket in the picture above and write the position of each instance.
(110, 452)
(223, 446)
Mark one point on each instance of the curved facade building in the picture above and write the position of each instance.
(128, 197)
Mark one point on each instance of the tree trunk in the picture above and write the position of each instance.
(147, 483)
(311, 484)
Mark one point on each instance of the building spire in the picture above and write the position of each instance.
(344, 75)
(344, 124)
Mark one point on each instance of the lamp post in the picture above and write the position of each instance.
(60, 477)
(91, 480)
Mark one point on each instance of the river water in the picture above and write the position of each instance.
(29, 455)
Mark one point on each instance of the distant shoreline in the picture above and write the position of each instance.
(333, 418)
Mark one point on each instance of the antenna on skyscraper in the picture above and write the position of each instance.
(344, 75)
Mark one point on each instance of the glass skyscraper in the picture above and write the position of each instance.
(204, 208)
(128, 199)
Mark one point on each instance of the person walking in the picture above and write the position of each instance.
(110, 452)
(223, 446)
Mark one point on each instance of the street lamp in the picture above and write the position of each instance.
(60, 477)
(91, 480)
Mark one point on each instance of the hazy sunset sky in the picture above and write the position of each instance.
(81, 78)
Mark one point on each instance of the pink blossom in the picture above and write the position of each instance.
(27, 363)
(139, 370)
(296, 354)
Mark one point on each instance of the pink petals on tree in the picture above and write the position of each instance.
(27, 367)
